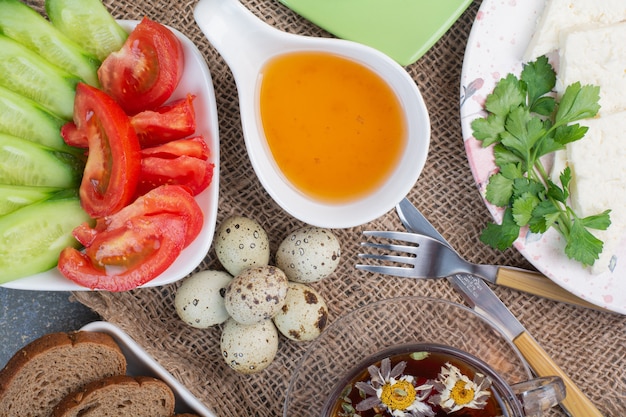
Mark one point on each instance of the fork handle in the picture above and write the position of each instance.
(538, 284)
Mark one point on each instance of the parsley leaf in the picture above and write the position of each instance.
(540, 79)
(525, 122)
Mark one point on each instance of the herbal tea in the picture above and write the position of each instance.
(433, 384)
(335, 128)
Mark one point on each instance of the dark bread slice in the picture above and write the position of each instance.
(38, 376)
(119, 395)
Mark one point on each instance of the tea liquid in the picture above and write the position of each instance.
(422, 370)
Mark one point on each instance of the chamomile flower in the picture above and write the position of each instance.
(457, 391)
(391, 391)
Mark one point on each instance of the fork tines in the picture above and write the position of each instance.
(390, 254)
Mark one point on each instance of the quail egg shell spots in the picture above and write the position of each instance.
(199, 301)
(241, 243)
(249, 348)
(309, 254)
(304, 315)
(256, 294)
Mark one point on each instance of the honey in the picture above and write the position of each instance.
(334, 127)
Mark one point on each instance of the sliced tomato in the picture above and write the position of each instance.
(194, 173)
(195, 147)
(180, 162)
(145, 72)
(85, 234)
(170, 122)
(124, 258)
(113, 163)
(73, 136)
(168, 199)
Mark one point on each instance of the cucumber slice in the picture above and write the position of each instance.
(13, 197)
(32, 237)
(24, 118)
(27, 73)
(89, 24)
(24, 25)
(28, 163)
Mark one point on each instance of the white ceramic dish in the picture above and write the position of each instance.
(247, 43)
(196, 80)
(140, 363)
(495, 48)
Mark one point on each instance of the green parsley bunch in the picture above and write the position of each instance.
(524, 123)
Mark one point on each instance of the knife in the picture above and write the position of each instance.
(485, 302)
(521, 280)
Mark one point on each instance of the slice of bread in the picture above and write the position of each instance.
(38, 376)
(120, 395)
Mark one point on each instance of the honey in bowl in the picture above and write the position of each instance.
(335, 128)
(432, 383)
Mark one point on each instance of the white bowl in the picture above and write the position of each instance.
(246, 43)
(196, 80)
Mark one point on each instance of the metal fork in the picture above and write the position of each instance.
(423, 257)
(413, 255)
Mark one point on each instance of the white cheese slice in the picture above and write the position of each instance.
(599, 179)
(597, 57)
(562, 16)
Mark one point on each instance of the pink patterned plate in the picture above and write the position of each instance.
(498, 39)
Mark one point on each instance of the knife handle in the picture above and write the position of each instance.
(576, 402)
(538, 284)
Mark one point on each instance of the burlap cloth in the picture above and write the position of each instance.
(590, 346)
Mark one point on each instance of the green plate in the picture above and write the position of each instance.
(403, 29)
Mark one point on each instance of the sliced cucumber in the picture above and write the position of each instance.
(24, 118)
(28, 163)
(88, 23)
(24, 25)
(27, 73)
(13, 197)
(32, 237)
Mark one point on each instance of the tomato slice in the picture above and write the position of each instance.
(145, 72)
(195, 147)
(194, 173)
(74, 137)
(124, 258)
(181, 162)
(85, 234)
(170, 122)
(113, 163)
(168, 199)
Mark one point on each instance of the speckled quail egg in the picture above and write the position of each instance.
(249, 348)
(199, 301)
(240, 243)
(304, 314)
(256, 294)
(309, 254)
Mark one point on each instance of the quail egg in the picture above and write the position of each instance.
(199, 301)
(309, 254)
(249, 348)
(256, 294)
(241, 243)
(304, 315)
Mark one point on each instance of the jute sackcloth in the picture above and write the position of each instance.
(589, 345)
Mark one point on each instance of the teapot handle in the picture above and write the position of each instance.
(575, 402)
(539, 394)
